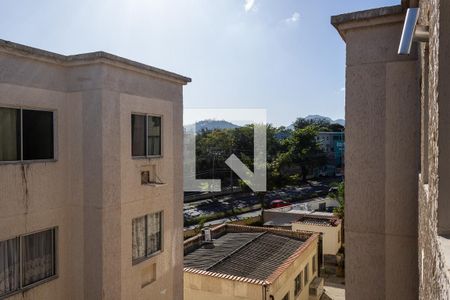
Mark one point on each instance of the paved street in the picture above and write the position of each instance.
(249, 201)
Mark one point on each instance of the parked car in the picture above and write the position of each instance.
(278, 203)
(333, 189)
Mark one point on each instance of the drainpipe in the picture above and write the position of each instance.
(264, 288)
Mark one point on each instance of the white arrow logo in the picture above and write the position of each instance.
(256, 180)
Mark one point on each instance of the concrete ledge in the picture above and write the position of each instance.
(367, 14)
(89, 58)
(365, 18)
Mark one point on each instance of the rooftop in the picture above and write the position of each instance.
(98, 56)
(301, 208)
(319, 221)
(244, 252)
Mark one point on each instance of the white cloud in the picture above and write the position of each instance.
(294, 18)
(249, 5)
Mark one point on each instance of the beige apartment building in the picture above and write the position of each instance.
(233, 262)
(90, 179)
(295, 217)
(397, 151)
(329, 228)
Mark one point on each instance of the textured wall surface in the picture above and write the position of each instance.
(434, 277)
(92, 190)
(382, 157)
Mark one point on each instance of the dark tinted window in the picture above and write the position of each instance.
(9, 266)
(27, 260)
(9, 134)
(138, 132)
(37, 134)
(154, 135)
(38, 257)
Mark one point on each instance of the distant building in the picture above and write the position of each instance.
(329, 227)
(91, 200)
(295, 217)
(333, 144)
(243, 262)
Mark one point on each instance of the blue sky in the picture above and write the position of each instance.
(280, 55)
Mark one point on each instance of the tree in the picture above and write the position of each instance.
(336, 128)
(339, 195)
(303, 151)
(321, 125)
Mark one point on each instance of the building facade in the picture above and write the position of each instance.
(333, 144)
(329, 228)
(90, 185)
(244, 262)
(397, 113)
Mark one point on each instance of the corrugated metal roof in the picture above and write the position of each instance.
(251, 255)
(319, 221)
(203, 258)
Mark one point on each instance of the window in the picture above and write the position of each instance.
(26, 134)
(314, 266)
(145, 135)
(286, 297)
(154, 135)
(298, 283)
(305, 271)
(146, 236)
(27, 260)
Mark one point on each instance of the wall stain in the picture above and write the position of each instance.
(24, 168)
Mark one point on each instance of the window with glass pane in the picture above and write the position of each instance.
(37, 134)
(38, 256)
(138, 133)
(26, 134)
(138, 236)
(146, 235)
(154, 135)
(298, 283)
(36, 261)
(305, 271)
(314, 267)
(9, 266)
(153, 233)
(10, 134)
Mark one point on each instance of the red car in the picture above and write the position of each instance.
(278, 203)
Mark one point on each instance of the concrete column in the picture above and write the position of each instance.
(382, 157)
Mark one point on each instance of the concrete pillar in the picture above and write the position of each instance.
(382, 157)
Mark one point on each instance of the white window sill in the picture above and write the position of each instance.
(26, 162)
(154, 184)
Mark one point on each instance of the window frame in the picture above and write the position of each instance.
(161, 225)
(314, 264)
(306, 275)
(300, 276)
(161, 134)
(55, 136)
(22, 287)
